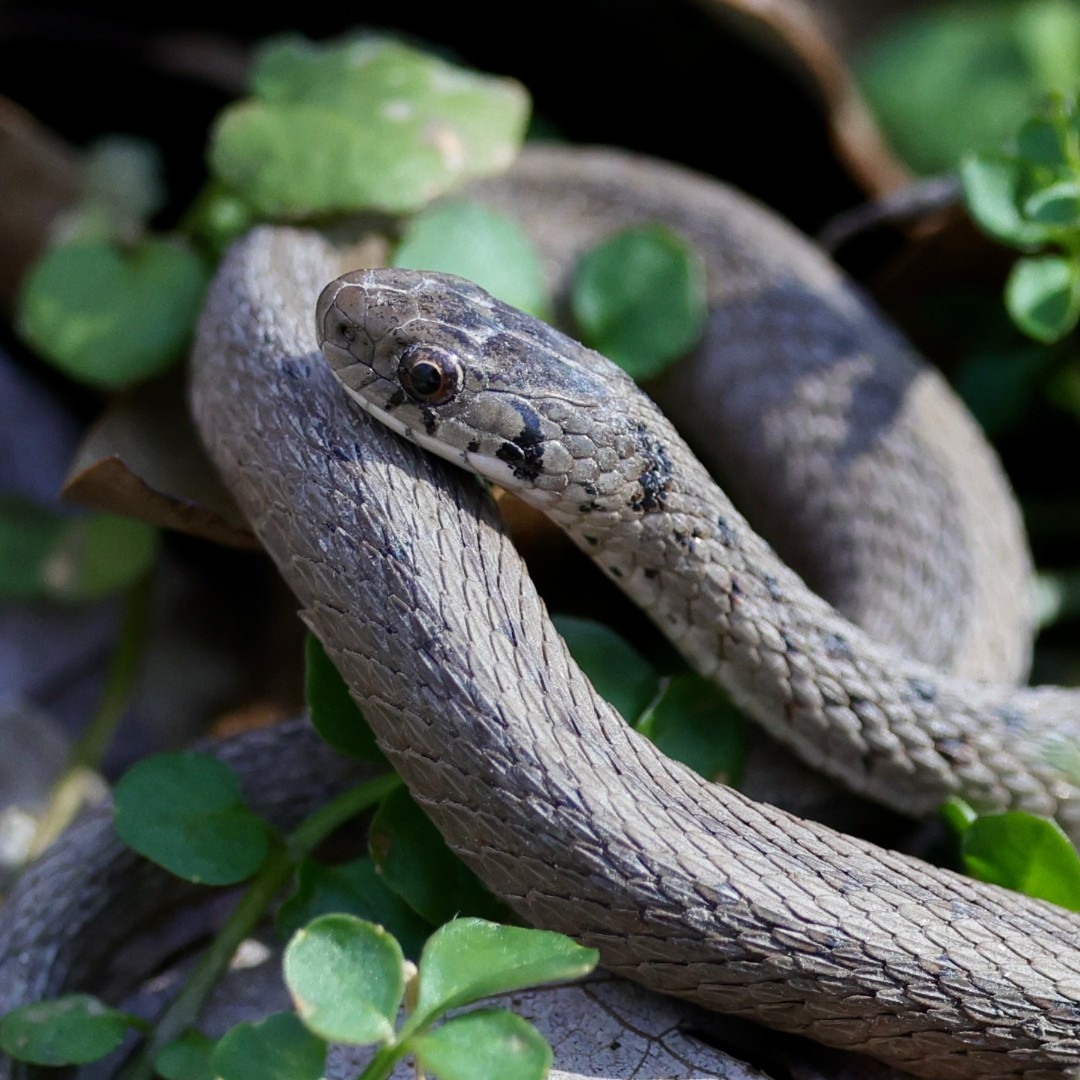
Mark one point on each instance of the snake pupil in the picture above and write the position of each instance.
(429, 374)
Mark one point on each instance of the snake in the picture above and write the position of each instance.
(401, 567)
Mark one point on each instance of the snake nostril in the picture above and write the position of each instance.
(344, 329)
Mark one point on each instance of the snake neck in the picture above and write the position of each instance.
(674, 542)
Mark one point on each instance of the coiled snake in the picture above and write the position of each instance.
(402, 571)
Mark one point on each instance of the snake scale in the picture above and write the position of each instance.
(402, 570)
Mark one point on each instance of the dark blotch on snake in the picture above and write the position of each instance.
(836, 646)
(525, 452)
(923, 689)
(655, 478)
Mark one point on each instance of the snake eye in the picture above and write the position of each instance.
(429, 374)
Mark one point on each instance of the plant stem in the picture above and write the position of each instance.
(69, 792)
(382, 1064)
(272, 876)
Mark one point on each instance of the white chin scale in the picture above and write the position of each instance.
(491, 468)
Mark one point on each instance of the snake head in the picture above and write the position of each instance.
(478, 382)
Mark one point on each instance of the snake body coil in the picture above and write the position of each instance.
(403, 572)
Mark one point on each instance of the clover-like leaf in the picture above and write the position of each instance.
(187, 1058)
(1056, 205)
(993, 186)
(277, 1048)
(695, 723)
(185, 812)
(337, 718)
(70, 1030)
(354, 888)
(1023, 852)
(488, 1044)
(346, 977)
(109, 317)
(367, 123)
(639, 298)
(415, 862)
(618, 671)
(1043, 295)
(469, 959)
(489, 248)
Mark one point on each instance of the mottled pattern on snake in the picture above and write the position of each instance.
(606, 465)
(403, 572)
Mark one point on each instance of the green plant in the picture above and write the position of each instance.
(1029, 197)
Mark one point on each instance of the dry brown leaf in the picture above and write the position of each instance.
(143, 459)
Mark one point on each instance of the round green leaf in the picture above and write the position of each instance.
(110, 318)
(1040, 142)
(695, 723)
(618, 671)
(1056, 205)
(469, 959)
(1023, 852)
(415, 862)
(28, 532)
(639, 298)
(185, 812)
(346, 978)
(187, 1058)
(99, 554)
(70, 1030)
(364, 124)
(469, 240)
(355, 888)
(277, 1048)
(992, 185)
(1043, 296)
(488, 1044)
(336, 717)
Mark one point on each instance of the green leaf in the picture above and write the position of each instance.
(28, 532)
(1023, 852)
(187, 1058)
(1039, 142)
(469, 959)
(336, 717)
(618, 671)
(639, 298)
(488, 1044)
(489, 248)
(364, 124)
(355, 888)
(70, 558)
(695, 723)
(69, 1030)
(277, 1048)
(416, 863)
(992, 190)
(958, 815)
(109, 318)
(99, 554)
(1043, 296)
(185, 812)
(346, 978)
(1057, 205)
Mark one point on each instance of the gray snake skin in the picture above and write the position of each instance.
(402, 570)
